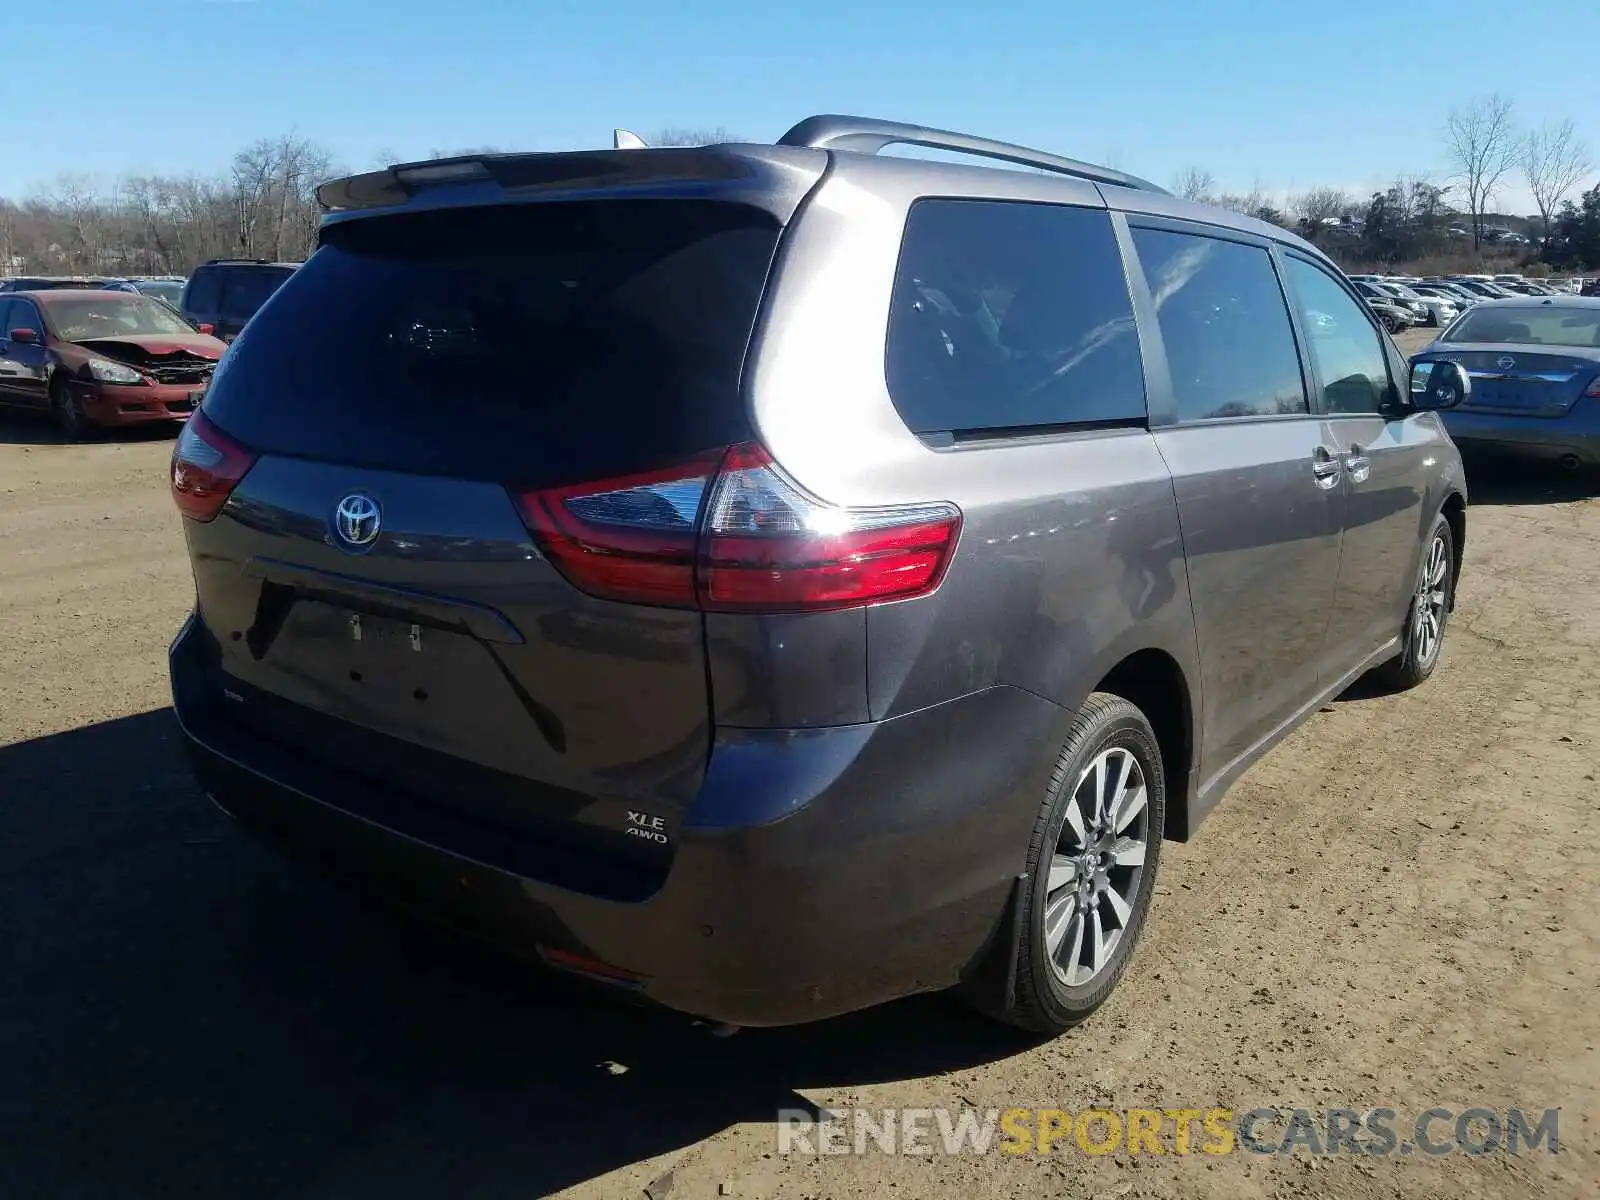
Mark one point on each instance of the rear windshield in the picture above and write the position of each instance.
(1545, 325)
(535, 343)
(245, 290)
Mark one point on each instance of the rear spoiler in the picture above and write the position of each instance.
(775, 178)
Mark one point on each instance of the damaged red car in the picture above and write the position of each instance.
(94, 358)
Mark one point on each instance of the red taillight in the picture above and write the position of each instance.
(767, 546)
(731, 533)
(206, 466)
(1594, 388)
(630, 538)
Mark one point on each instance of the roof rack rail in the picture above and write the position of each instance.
(868, 135)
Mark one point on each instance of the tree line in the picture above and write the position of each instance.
(1452, 223)
(264, 206)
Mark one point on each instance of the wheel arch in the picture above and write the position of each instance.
(1454, 511)
(1154, 682)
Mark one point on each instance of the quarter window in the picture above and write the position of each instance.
(1230, 346)
(1011, 316)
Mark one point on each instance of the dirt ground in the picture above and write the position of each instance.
(1396, 908)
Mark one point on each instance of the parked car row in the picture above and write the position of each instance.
(1402, 301)
(106, 352)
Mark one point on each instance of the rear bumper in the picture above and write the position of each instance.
(819, 872)
(1576, 434)
(113, 404)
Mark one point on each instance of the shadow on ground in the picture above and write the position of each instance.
(20, 427)
(1515, 482)
(181, 1015)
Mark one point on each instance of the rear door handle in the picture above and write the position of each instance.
(1355, 461)
(1324, 468)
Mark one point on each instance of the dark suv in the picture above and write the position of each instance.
(777, 579)
(226, 292)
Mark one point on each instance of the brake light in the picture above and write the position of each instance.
(1593, 390)
(731, 532)
(206, 466)
(630, 538)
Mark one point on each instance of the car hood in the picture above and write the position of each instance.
(154, 345)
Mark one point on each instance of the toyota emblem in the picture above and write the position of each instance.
(357, 520)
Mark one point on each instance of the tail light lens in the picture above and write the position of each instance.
(733, 533)
(1593, 389)
(631, 538)
(206, 466)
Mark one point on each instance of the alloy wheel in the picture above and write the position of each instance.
(1427, 622)
(1097, 867)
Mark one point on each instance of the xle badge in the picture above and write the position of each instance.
(643, 825)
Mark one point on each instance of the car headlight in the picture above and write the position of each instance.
(112, 372)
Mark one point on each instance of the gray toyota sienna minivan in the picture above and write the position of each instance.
(778, 579)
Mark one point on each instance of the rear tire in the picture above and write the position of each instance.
(68, 413)
(1432, 597)
(1091, 871)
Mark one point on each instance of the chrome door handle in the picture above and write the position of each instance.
(1324, 468)
(1356, 463)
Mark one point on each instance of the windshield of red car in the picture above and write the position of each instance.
(121, 314)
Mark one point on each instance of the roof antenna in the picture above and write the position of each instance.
(623, 139)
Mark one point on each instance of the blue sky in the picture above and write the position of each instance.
(1344, 92)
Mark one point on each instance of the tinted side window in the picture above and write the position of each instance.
(204, 294)
(1345, 348)
(1230, 346)
(1011, 316)
(6, 324)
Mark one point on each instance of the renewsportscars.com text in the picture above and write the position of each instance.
(1377, 1131)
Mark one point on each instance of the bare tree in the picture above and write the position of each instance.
(1555, 160)
(1195, 183)
(673, 136)
(273, 185)
(1258, 202)
(1318, 207)
(1482, 140)
(156, 224)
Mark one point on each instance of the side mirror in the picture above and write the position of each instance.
(206, 327)
(24, 337)
(1438, 384)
